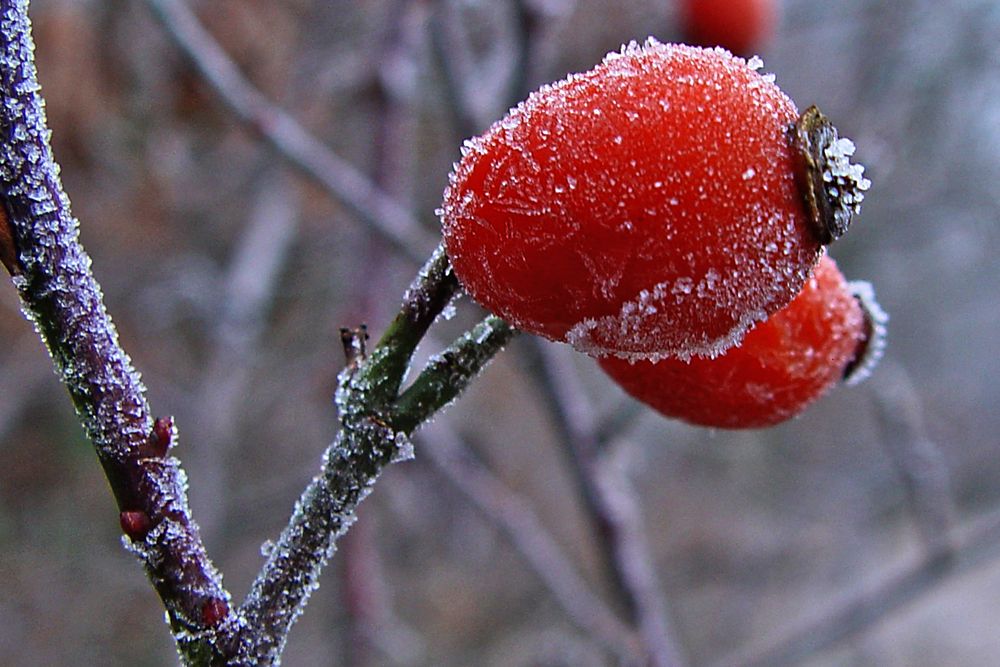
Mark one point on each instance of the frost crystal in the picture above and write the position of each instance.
(82, 339)
(559, 222)
(267, 548)
(847, 178)
(447, 313)
(59, 294)
(404, 450)
(873, 346)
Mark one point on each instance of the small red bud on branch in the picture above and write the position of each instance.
(161, 439)
(213, 611)
(136, 524)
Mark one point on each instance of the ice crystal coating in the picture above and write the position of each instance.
(57, 276)
(63, 300)
(847, 179)
(404, 450)
(646, 208)
(783, 364)
(872, 347)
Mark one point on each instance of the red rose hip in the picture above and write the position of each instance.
(783, 364)
(737, 25)
(647, 208)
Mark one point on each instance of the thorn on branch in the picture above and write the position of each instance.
(176, 515)
(355, 343)
(8, 248)
(161, 438)
(214, 611)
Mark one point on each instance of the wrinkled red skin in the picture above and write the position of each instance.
(738, 25)
(782, 366)
(645, 208)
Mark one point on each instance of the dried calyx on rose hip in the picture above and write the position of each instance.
(831, 329)
(650, 207)
(832, 185)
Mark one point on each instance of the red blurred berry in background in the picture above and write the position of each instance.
(647, 208)
(742, 26)
(783, 364)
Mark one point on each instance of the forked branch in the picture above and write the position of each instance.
(376, 423)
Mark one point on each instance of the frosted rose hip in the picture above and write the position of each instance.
(782, 365)
(646, 208)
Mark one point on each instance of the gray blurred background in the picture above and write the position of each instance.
(229, 273)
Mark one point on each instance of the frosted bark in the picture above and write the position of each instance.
(61, 297)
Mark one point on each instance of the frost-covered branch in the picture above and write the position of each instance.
(374, 432)
(449, 372)
(338, 177)
(59, 293)
(634, 563)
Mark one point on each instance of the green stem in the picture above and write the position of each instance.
(375, 423)
(449, 372)
(431, 291)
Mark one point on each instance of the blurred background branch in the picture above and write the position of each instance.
(362, 197)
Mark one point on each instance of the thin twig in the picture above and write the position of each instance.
(322, 514)
(61, 295)
(375, 633)
(395, 144)
(338, 177)
(527, 26)
(395, 148)
(448, 372)
(619, 419)
(573, 417)
(453, 57)
(617, 525)
(917, 459)
(633, 558)
(562, 402)
(862, 610)
(504, 508)
(478, 87)
(610, 504)
(362, 448)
